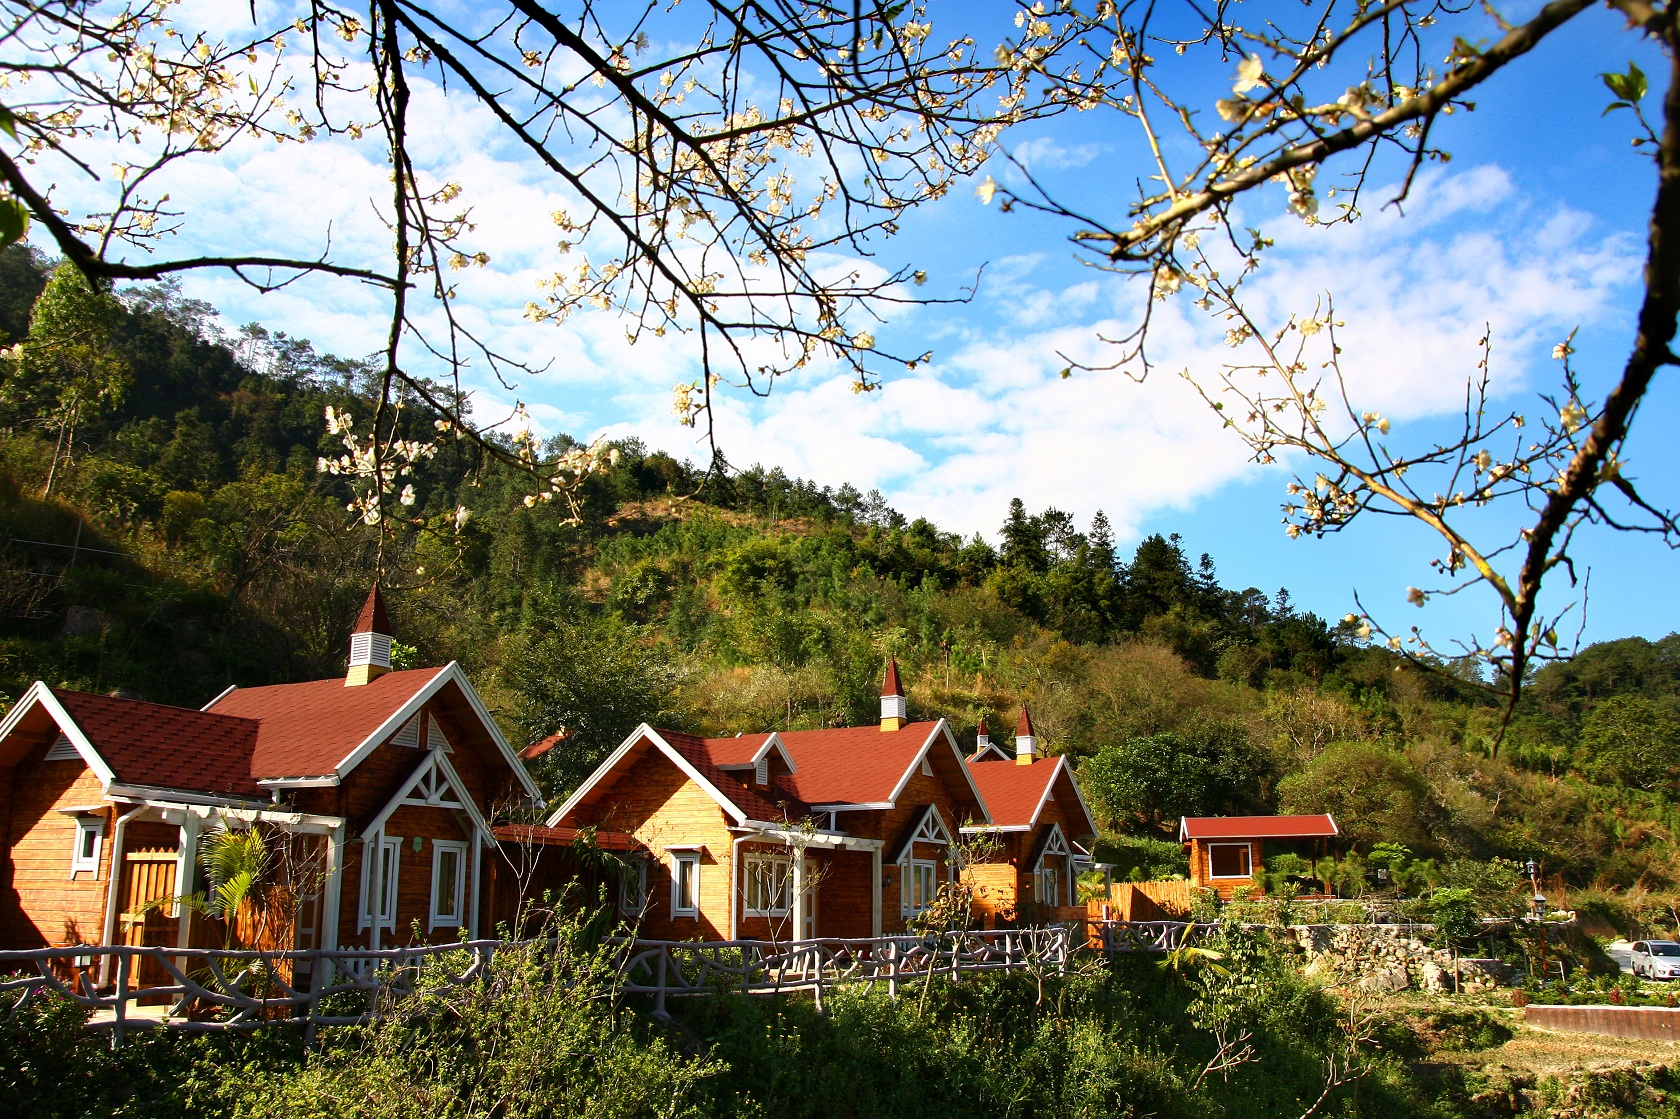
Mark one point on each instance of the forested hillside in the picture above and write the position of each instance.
(165, 531)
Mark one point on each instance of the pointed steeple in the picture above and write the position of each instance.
(894, 711)
(370, 643)
(982, 738)
(1026, 741)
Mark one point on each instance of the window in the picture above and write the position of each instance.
(1228, 860)
(90, 835)
(1659, 948)
(927, 767)
(921, 885)
(632, 888)
(1050, 885)
(769, 885)
(379, 882)
(761, 771)
(685, 884)
(435, 739)
(62, 750)
(449, 879)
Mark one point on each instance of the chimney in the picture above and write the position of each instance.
(982, 738)
(1026, 742)
(370, 644)
(894, 712)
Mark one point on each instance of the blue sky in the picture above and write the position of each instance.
(1535, 227)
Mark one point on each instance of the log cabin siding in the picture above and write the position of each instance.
(47, 905)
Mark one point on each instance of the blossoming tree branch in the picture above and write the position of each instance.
(1317, 93)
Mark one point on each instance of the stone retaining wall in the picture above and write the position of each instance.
(1392, 958)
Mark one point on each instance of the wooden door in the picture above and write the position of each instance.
(148, 876)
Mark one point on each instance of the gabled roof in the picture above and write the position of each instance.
(312, 729)
(866, 766)
(132, 742)
(1018, 793)
(323, 729)
(693, 755)
(746, 750)
(1256, 827)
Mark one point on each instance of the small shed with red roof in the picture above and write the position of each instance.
(791, 835)
(1227, 852)
(380, 783)
(1039, 821)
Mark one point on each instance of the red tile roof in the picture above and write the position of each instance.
(308, 729)
(852, 765)
(373, 618)
(1256, 827)
(698, 753)
(740, 750)
(168, 747)
(1014, 792)
(891, 686)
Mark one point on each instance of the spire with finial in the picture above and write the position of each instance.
(982, 738)
(370, 644)
(1026, 741)
(894, 711)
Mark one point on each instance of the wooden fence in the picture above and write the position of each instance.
(1147, 936)
(1151, 901)
(204, 989)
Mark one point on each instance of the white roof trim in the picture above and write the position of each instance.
(1090, 818)
(165, 794)
(437, 760)
(942, 727)
(326, 781)
(39, 693)
(872, 806)
(450, 671)
(1044, 848)
(991, 748)
(1049, 789)
(219, 697)
(987, 829)
(676, 758)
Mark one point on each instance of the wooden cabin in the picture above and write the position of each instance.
(1039, 820)
(374, 789)
(1227, 852)
(846, 832)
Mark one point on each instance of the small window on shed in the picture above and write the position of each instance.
(62, 750)
(761, 771)
(90, 835)
(1228, 860)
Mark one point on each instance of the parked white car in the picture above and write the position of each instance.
(1656, 959)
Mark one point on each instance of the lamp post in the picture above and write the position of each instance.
(1533, 869)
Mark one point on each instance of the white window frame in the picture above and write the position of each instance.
(685, 868)
(781, 874)
(372, 856)
(913, 871)
(1048, 872)
(633, 889)
(89, 864)
(1248, 861)
(441, 847)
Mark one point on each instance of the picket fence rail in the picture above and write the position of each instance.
(207, 989)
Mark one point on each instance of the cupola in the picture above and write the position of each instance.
(1026, 742)
(370, 644)
(894, 711)
(982, 738)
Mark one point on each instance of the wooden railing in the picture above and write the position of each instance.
(676, 969)
(204, 989)
(211, 989)
(1147, 936)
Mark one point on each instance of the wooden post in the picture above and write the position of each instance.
(124, 960)
(659, 999)
(892, 969)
